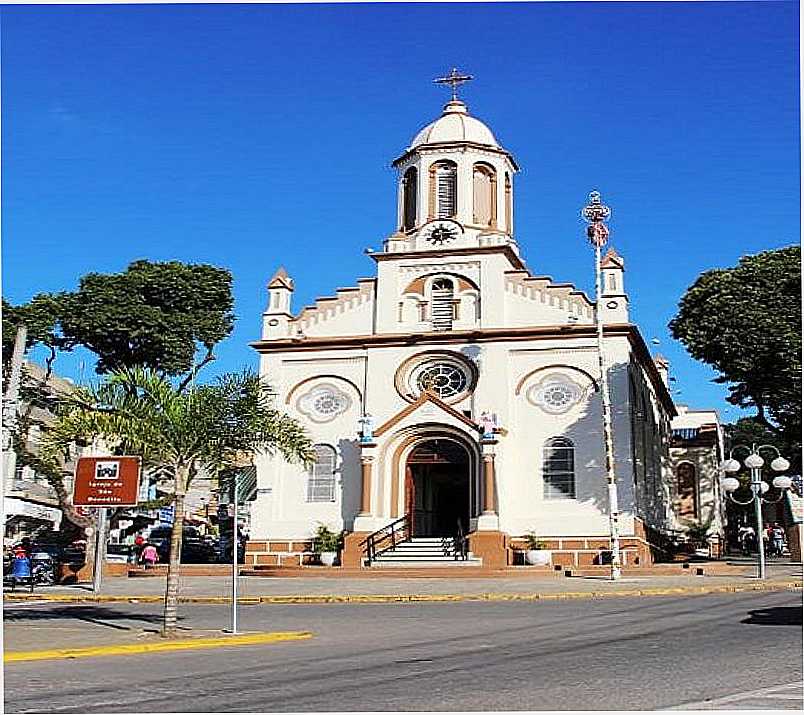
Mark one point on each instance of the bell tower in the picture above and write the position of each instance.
(455, 183)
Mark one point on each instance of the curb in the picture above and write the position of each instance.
(423, 598)
(167, 645)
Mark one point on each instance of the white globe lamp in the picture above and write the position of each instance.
(780, 464)
(754, 461)
(730, 484)
(782, 482)
(730, 465)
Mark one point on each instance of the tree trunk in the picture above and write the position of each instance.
(174, 562)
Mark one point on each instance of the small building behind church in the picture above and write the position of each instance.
(456, 391)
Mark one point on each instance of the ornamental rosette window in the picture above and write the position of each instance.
(448, 376)
(324, 402)
(555, 394)
(442, 378)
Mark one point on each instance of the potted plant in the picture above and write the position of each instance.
(327, 544)
(537, 553)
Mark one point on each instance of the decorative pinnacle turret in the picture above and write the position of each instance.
(281, 279)
(455, 79)
(595, 213)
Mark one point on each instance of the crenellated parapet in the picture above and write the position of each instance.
(543, 291)
(327, 309)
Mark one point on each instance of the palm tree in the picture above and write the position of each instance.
(178, 430)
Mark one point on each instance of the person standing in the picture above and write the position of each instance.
(139, 543)
(149, 556)
(777, 539)
(746, 535)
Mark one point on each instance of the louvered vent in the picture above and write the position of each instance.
(441, 301)
(447, 191)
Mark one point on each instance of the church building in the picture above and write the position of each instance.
(456, 392)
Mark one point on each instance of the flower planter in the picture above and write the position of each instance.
(538, 557)
(328, 558)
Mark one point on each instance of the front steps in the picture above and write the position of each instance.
(425, 552)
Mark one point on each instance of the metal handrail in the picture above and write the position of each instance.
(378, 542)
(401, 530)
(460, 543)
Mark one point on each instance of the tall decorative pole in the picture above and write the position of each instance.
(595, 213)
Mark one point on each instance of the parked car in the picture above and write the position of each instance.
(118, 553)
(194, 548)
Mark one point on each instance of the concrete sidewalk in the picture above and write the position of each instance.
(317, 589)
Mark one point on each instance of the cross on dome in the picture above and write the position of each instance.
(455, 79)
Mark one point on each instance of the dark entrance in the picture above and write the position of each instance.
(437, 488)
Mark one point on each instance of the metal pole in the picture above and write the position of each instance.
(234, 556)
(611, 477)
(100, 551)
(10, 410)
(756, 481)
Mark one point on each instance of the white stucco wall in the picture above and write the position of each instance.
(503, 368)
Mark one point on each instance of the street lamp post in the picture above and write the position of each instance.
(754, 462)
(595, 213)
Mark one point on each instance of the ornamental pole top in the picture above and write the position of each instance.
(595, 213)
(455, 79)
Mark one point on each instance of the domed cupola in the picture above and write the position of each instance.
(456, 183)
(455, 125)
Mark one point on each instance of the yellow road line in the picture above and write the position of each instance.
(408, 597)
(157, 647)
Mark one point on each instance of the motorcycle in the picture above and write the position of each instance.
(43, 568)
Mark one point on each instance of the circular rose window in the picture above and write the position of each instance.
(448, 376)
(444, 379)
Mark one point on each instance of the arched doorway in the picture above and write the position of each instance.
(437, 488)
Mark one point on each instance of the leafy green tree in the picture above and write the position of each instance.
(178, 430)
(746, 323)
(153, 314)
(40, 317)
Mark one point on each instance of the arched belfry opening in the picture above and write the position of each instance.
(438, 488)
(409, 195)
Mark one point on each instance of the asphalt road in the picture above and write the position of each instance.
(726, 651)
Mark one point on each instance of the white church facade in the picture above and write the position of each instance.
(456, 390)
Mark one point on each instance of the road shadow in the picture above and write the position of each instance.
(776, 616)
(97, 615)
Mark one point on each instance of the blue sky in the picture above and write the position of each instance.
(257, 135)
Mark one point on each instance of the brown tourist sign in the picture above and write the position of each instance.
(106, 481)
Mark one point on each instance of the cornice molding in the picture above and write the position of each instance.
(449, 252)
(437, 147)
(546, 332)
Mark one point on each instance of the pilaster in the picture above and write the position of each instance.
(489, 520)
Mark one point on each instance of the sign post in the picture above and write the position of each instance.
(104, 482)
(100, 551)
(235, 549)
